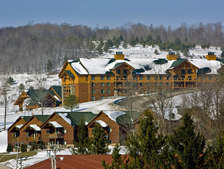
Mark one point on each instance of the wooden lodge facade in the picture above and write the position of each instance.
(33, 98)
(95, 78)
(60, 128)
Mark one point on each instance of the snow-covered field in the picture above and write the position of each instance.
(94, 106)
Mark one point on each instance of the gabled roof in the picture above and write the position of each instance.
(128, 118)
(177, 63)
(26, 118)
(42, 118)
(55, 90)
(37, 95)
(74, 118)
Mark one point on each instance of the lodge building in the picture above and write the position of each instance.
(97, 78)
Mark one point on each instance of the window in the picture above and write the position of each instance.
(161, 77)
(108, 91)
(102, 77)
(102, 84)
(93, 98)
(168, 77)
(65, 131)
(148, 77)
(102, 91)
(141, 77)
(189, 71)
(140, 84)
(108, 84)
(148, 84)
(92, 77)
(168, 84)
(155, 77)
(125, 71)
(108, 77)
(93, 84)
(93, 91)
(182, 71)
(118, 71)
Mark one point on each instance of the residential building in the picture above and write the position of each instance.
(98, 78)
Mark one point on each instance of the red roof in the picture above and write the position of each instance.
(75, 162)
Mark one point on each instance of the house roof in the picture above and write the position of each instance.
(74, 118)
(26, 118)
(128, 118)
(42, 118)
(76, 161)
(93, 66)
(69, 73)
(56, 89)
(36, 95)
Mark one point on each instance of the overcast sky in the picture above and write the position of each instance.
(112, 13)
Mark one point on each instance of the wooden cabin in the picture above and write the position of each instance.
(14, 130)
(96, 78)
(33, 98)
(31, 131)
(116, 124)
(61, 127)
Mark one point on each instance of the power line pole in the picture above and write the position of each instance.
(17, 155)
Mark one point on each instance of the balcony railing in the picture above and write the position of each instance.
(55, 135)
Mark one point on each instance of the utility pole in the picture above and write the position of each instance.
(17, 155)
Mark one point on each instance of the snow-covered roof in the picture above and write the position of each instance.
(102, 123)
(214, 65)
(64, 116)
(113, 114)
(56, 98)
(146, 65)
(55, 124)
(35, 127)
(19, 126)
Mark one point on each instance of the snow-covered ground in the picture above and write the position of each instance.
(94, 106)
(148, 52)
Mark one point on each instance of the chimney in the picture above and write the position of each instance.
(211, 56)
(171, 56)
(119, 56)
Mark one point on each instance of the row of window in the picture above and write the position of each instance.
(102, 84)
(102, 91)
(101, 77)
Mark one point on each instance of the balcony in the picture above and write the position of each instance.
(55, 135)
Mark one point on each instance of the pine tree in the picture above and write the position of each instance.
(71, 102)
(99, 141)
(217, 153)
(82, 145)
(222, 54)
(118, 162)
(49, 66)
(145, 147)
(156, 52)
(188, 147)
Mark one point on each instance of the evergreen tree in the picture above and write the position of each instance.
(156, 52)
(118, 162)
(188, 147)
(49, 66)
(107, 45)
(82, 145)
(99, 141)
(21, 87)
(9, 148)
(125, 45)
(145, 147)
(10, 80)
(216, 159)
(222, 54)
(71, 102)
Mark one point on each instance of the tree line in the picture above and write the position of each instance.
(43, 47)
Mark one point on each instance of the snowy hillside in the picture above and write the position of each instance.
(148, 52)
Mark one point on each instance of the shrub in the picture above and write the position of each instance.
(9, 148)
(23, 148)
